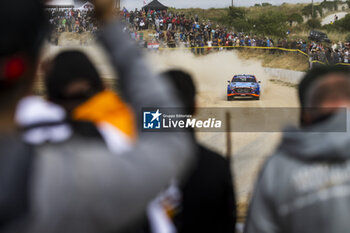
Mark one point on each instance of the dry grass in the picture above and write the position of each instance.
(282, 83)
(277, 59)
(215, 14)
(285, 8)
(333, 36)
(337, 36)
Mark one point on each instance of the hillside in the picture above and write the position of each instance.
(297, 18)
(215, 14)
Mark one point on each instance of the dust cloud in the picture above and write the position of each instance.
(211, 72)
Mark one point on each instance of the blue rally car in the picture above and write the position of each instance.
(243, 86)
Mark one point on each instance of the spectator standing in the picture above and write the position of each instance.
(76, 185)
(304, 186)
(74, 83)
(208, 203)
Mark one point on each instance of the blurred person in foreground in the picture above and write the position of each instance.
(305, 185)
(73, 83)
(208, 200)
(77, 185)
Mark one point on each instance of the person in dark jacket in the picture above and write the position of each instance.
(304, 186)
(22, 32)
(208, 202)
(336, 57)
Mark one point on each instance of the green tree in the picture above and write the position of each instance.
(236, 13)
(272, 24)
(266, 4)
(344, 23)
(295, 17)
(313, 23)
(236, 17)
(307, 10)
(330, 5)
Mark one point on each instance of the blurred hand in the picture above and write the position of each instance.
(105, 10)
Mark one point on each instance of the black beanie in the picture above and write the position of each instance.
(315, 74)
(68, 67)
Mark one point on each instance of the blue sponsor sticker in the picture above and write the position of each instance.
(152, 120)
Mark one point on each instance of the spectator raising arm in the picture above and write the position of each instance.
(83, 188)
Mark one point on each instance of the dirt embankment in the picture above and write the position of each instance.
(72, 39)
(277, 59)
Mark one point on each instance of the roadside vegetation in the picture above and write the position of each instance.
(275, 21)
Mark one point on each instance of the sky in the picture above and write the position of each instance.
(132, 4)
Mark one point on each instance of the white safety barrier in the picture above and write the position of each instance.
(288, 76)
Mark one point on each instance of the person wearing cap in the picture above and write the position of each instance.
(304, 186)
(78, 185)
(73, 82)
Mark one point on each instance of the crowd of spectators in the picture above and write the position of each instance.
(331, 53)
(76, 160)
(72, 20)
(173, 30)
(177, 30)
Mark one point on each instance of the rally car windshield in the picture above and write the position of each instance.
(243, 79)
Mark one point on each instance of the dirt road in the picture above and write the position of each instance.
(211, 74)
(330, 18)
